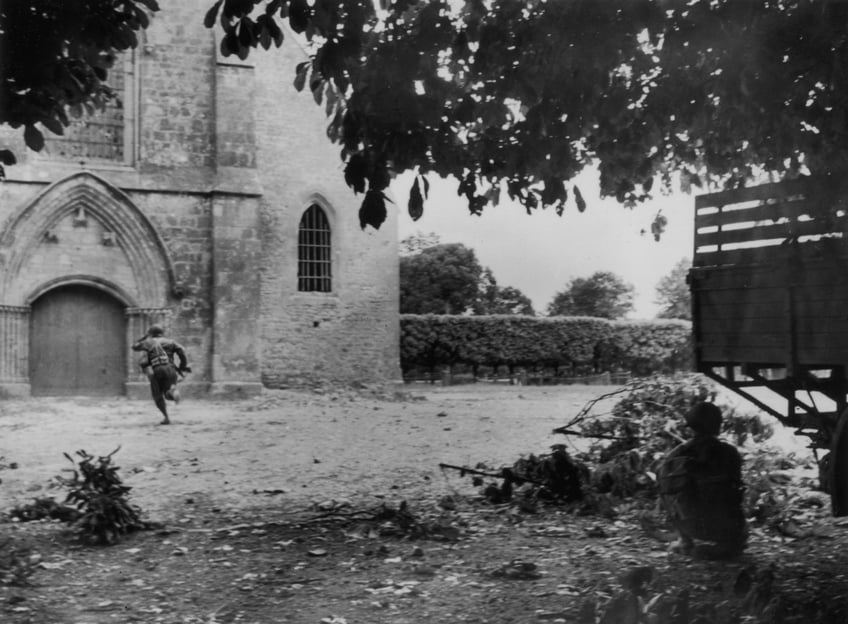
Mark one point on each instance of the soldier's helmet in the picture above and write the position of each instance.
(704, 418)
(156, 331)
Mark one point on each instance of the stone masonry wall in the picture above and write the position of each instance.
(177, 79)
(352, 333)
(76, 246)
(226, 196)
(12, 195)
(185, 224)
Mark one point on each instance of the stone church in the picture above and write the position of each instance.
(209, 200)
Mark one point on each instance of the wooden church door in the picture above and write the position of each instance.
(77, 343)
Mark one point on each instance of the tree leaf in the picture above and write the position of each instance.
(299, 14)
(578, 197)
(301, 72)
(335, 126)
(553, 192)
(273, 6)
(226, 44)
(247, 34)
(211, 15)
(33, 138)
(373, 210)
(264, 28)
(378, 177)
(54, 125)
(276, 32)
(153, 5)
(143, 20)
(317, 87)
(355, 173)
(416, 202)
(7, 157)
(332, 99)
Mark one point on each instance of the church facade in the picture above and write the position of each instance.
(207, 200)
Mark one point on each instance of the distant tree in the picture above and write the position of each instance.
(495, 299)
(443, 279)
(418, 242)
(602, 294)
(673, 293)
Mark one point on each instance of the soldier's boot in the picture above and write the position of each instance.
(173, 394)
(160, 403)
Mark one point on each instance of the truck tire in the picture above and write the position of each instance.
(838, 467)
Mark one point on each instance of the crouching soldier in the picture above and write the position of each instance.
(157, 362)
(700, 483)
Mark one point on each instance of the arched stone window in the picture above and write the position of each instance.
(314, 257)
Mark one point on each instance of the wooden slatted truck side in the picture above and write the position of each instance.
(769, 286)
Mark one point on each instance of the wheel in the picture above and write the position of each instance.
(838, 467)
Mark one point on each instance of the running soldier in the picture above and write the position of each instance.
(157, 362)
(700, 483)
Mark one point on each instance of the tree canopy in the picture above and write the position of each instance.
(602, 294)
(442, 279)
(519, 97)
(55, 57)
(673, 292)
(508, 96)
(447, 278)
(492, 298)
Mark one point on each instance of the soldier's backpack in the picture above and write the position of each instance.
(694, 473)
(156, 355)
(676, 475)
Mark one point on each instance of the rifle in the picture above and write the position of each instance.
(505, 473)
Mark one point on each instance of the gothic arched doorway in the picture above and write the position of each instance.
(77, 343)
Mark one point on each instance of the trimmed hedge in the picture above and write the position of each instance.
(431, 341)
(647, 347)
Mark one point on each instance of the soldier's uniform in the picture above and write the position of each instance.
(701, 488)
(157, 362)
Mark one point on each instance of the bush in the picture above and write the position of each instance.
(648, 416)
(563, 343)
(500, 340)
(648, 347)
(44, 508)
(648, 422)
(628, 443)
(98, 492)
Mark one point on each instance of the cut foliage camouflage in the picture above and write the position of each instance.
(626, 444)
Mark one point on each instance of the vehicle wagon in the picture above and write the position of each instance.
(769, 286)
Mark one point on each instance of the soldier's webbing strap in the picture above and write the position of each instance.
(157, 356)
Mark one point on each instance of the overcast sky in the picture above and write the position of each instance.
(540, 253)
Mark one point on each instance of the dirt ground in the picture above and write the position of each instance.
(266, 514)
(314, 446)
